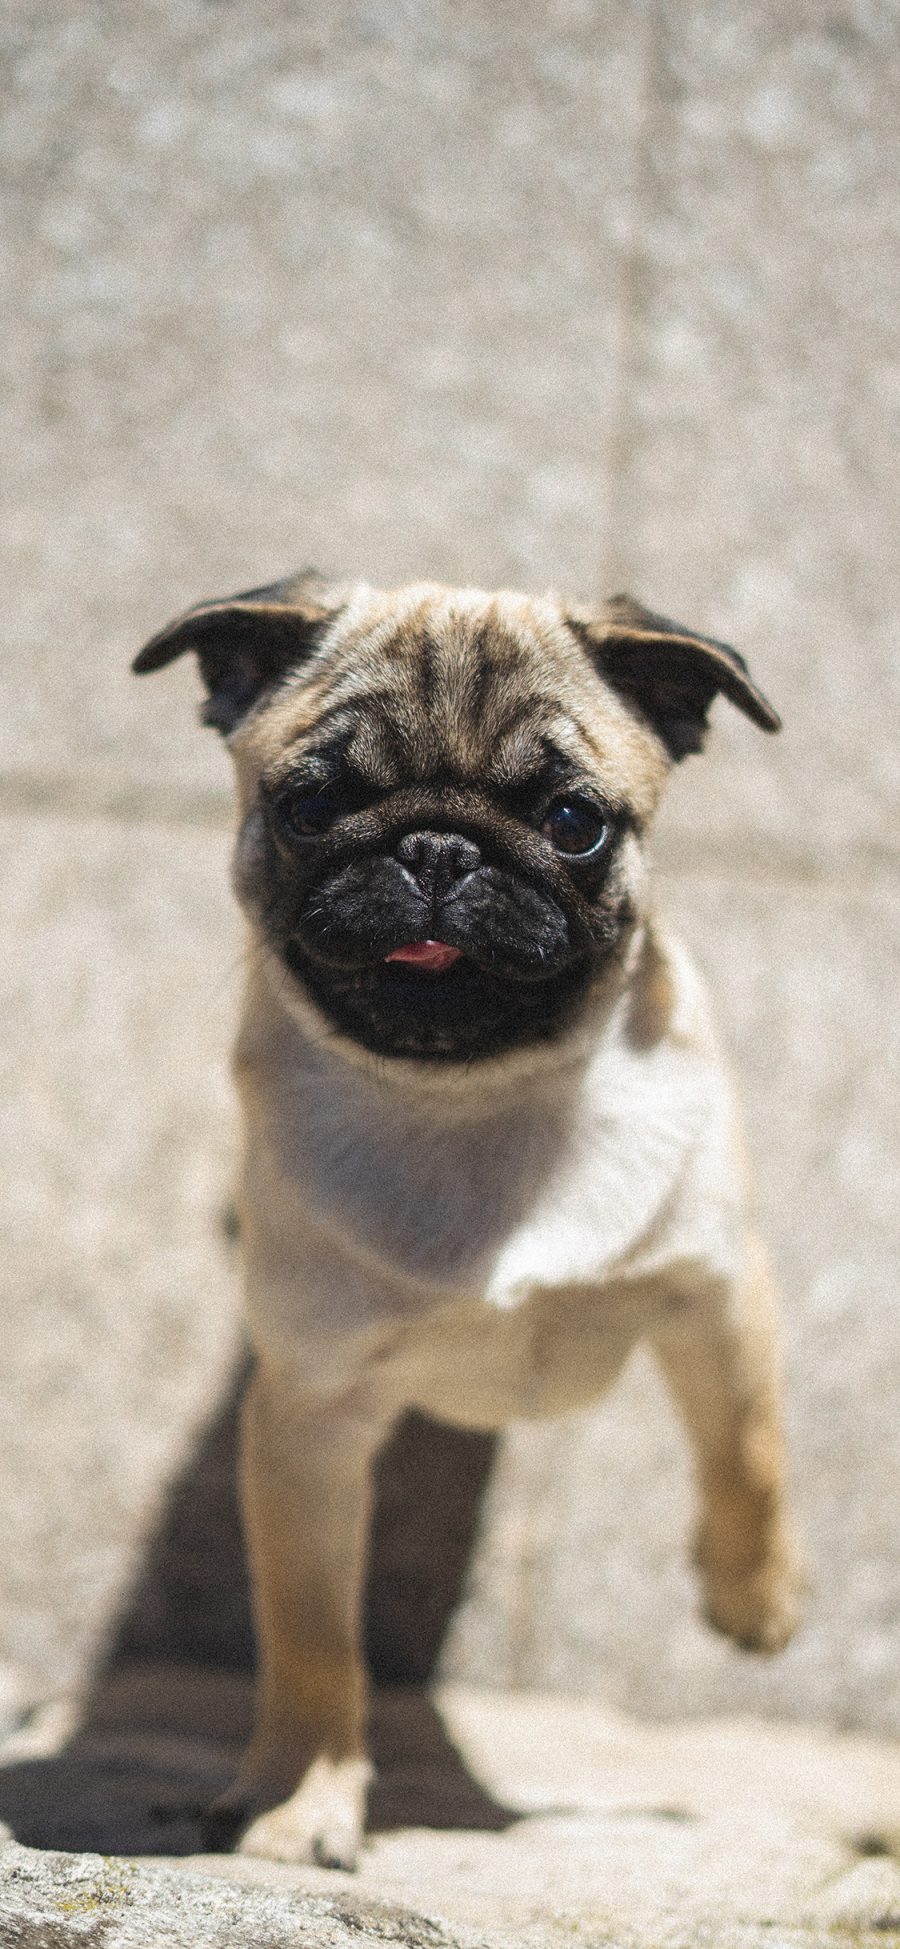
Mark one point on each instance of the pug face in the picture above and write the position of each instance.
(443, 797)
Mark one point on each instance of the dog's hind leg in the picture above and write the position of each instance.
(720, 1358)
(300, 1792)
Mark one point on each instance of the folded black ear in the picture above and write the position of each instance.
(245, 643)
(669, 672)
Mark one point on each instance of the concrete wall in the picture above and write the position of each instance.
(573, 294)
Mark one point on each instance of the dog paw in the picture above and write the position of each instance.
(321, 1821)
(760, 1606)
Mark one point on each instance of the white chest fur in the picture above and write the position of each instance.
(547, 1180)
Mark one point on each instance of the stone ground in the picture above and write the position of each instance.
(499, 1820)
(577, 294)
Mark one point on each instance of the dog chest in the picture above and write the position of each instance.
(550, 1191)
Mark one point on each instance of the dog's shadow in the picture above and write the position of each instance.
(160, 1732)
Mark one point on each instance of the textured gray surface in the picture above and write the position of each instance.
(49, 1901)
(563, 294)
(116, 1136)
(338, 284)
(760, 477)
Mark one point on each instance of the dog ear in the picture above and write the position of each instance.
(669, 672)
(245, 643)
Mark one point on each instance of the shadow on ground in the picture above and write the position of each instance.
(161, 1729)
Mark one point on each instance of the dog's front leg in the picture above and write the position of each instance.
(719, 1356)
(306, 1464)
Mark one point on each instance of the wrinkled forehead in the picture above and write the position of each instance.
(435, 683)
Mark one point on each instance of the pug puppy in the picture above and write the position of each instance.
(489, 1139)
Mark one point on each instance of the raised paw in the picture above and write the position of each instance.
(321, 1821)
(758, 1605)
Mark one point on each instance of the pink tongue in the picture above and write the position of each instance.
(426, 954)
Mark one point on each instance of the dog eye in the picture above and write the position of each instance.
(575, 826)
(303, 814)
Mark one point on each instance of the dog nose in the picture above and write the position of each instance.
(437, 859)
